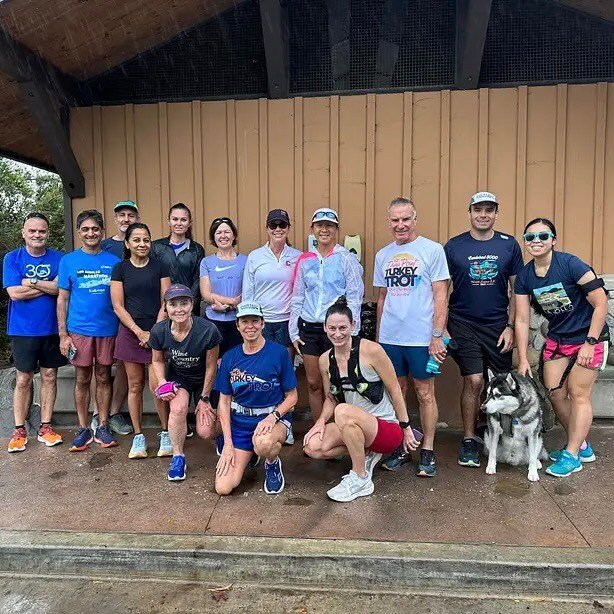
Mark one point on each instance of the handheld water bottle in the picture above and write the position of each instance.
(432, 366)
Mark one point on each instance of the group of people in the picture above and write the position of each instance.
(220, 333)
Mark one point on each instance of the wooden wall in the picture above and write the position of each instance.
(543, 150)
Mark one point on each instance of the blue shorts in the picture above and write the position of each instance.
(278, 332)
(242, 429)
(409, 360)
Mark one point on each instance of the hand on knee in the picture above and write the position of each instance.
(204, 431)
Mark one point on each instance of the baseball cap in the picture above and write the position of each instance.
(126, 204)
(177, 291)
(249, 308)
(278, 215)
(324, 214)
(483, 197)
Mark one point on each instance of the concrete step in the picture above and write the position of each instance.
(603, 394)
(312, 562)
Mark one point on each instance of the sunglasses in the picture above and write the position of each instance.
(226, 220)
(529, 237)
(324, 215)
(277, 224)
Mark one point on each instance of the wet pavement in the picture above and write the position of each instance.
(102, 490)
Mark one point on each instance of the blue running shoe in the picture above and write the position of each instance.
(219, 444)
(104, 437)
(82, 439)
(586, 456)
(139, 447)
(396, 460)
(166, 447)
(566, 465)
(176, 471)
(469, 455)
(426, 466)
(274, 481)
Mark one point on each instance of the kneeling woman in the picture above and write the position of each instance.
(569, 295)
(191, 344)
(257, 389)
(365, 399)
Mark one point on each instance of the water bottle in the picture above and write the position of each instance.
(432, 366)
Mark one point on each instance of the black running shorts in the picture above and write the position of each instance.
(476, 347)
(315, 340)
(29, 353)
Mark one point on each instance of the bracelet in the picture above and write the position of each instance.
(135, 325)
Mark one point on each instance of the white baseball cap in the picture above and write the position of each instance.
(483, 197)
(249, 308)
(324, 214)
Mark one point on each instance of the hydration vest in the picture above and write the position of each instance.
(371, 391)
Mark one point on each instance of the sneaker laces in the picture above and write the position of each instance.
(19, 433)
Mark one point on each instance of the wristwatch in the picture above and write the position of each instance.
(437, 334)
(277, 415)
(205, 398)
(403, 425)
(510, 325)
(592, 340)
(33, 281)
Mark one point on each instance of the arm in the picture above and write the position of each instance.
(200, 254)
(381, 299)
(328, 408)
(165, 283)
(227, 458)
(214, 299)
(159, 366)
(23, 293)
(440, 318)
(599, 301)
(506, 338)
(45, 286)
(296, 306)
(208, 413)
(521, 324)
(62, 310)
(248, 280)
(354, 287)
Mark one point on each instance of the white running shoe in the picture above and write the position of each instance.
(371, 459)
(289, 441)
(351, 487)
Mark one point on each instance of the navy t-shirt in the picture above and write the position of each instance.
(114, 246)
(256, 380)
(561, 300)
(480, 272)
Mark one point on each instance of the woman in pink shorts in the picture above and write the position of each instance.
(363, 396)
(572, 298)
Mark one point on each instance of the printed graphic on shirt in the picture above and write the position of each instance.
(40, 271)
(553, 299)
(95, 281)
(183, 360)
(401, 274)
(483, 270)
(240, 379)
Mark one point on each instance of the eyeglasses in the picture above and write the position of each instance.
(325, 215)
(529, 237)
(277, 224)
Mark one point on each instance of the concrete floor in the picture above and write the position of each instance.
(102, 490)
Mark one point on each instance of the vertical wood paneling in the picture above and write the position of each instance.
(545, 151)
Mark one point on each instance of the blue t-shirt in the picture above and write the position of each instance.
(480, 272)
(114, 246)
(88, 279)
(226, 278)
(33, 317)
(559, 297)
(256, 380)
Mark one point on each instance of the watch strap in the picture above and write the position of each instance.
(403, 425)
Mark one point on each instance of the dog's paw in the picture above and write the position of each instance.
(533, 476)
(539, 464)
(491, 468)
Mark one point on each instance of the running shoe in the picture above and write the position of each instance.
(166, 447)
(18, 440)
(426, 466)
(254, 461)
(82, 439)
(289, 441)
(469, 455)
(48, 436)
(139, 447)
(176, 471)
(351, 487)
(219, 444)
(371, 459)
(104, 437)
(565, 465)
(396, 460)
(586, 456)
(189, 431)
(274, 480)
(95, 423)
(119, 425)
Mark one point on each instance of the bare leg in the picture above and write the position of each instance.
(103, 391)
(470, 402)
(425, 391)
(358, 430)
(120, 388)
(315, 387)
(136, 383)
(49, 390)
(177, 427)
(269, 445)
(553, 371)
(330, 446)
(21, 397)
(161, 406)
(83, 380)
(580, 384)
(225, 484)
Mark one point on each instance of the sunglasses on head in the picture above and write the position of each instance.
(325, 215)
(277, 224)
(226, 220)
(529, 237)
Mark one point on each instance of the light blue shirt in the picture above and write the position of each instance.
(226, 279)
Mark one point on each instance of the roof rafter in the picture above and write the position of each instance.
(274, 20)
(472, 17)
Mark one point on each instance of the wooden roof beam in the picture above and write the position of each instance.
(390, 37)
(472, 17)
(274, 20)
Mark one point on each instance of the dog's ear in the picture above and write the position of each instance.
(511, 381)
(491, 375)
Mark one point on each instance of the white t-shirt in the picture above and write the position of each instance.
(407, 272)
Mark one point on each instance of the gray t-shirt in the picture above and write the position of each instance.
(187, 358)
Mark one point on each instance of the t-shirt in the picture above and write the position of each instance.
(114, 246)
(33, 317)
(88, 279)
(480, 272)
(141, 289)
(256, 380)
(187, 358)
(407, 272)
(226, 278)
(560, 298)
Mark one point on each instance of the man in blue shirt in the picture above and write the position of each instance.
(483, 265)
(29, 276)
(88, 325)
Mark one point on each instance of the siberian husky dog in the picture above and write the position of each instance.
(514, 406)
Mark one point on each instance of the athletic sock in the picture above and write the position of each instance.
(20, 426)
(584, 445)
